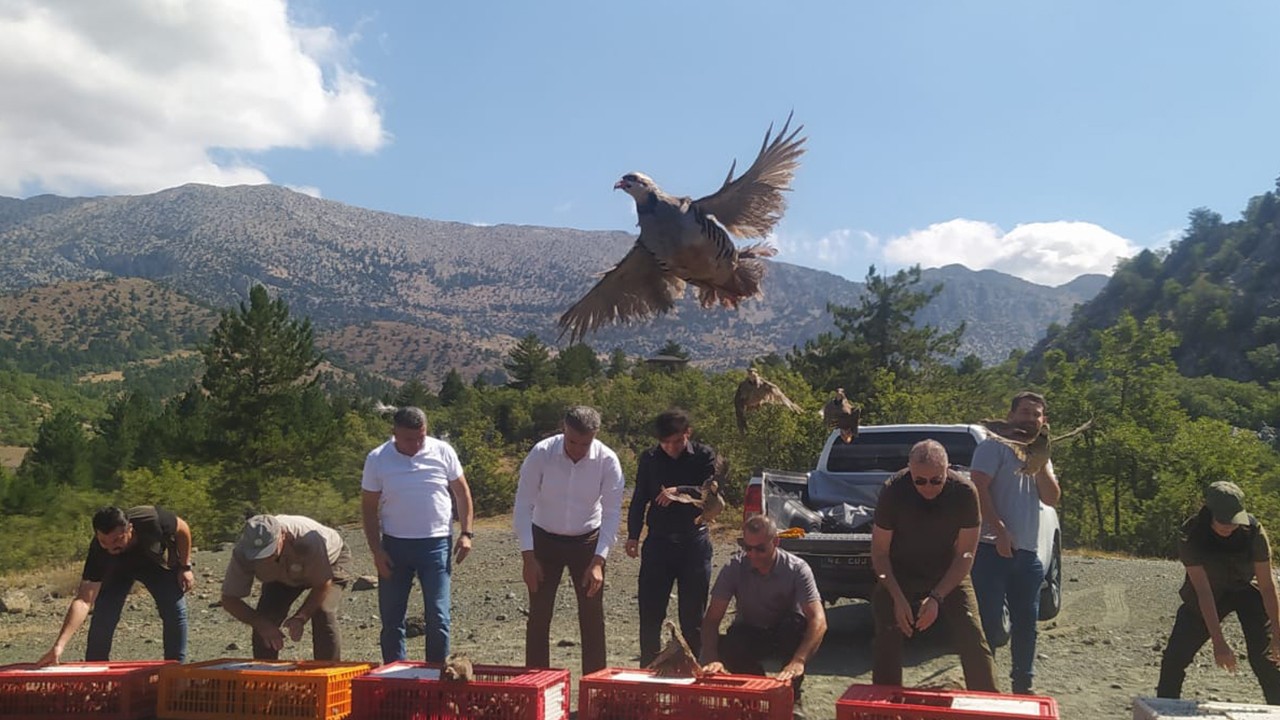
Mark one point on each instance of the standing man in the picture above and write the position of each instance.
(290, 554)
(1228, 561)
(676, 550)
(779, 610)
(1007, 568)
(146, 544)
(922, 546)
(567, 511)
(408, 491)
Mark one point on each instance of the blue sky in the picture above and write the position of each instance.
(1038, 139)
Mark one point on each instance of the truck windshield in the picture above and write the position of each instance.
(887, 451)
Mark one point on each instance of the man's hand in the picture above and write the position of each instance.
(793, 669)
(51, 657)
(593, 578)
(1273, 651)
(1004, 541)
(271, 635)
(928, 613)
(295, 625)
(461, 549)
(633, 548)
(713, 668)
(902, 615)
(532, 573)
(382, 562)
(667, 496)
(187, 580)
(1223, 657)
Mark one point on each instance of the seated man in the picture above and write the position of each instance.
(290, 554)
(146, 544)
(779, 610)
(922, 547)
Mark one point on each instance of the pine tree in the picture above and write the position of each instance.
(528, 363)
(576, 364)
(453, 388)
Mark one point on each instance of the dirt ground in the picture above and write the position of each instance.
(1103, 649)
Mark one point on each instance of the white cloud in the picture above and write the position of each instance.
(138, 95)
(1047, 253)
(832, 251)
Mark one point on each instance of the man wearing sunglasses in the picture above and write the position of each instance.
(779, 610)
(922, 547)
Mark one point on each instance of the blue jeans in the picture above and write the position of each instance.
(430, 561)
(165, 589)
(1017, 580)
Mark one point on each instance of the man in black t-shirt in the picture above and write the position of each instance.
(146, 544)
(677, 550)
(1228, 561)
(922, 546)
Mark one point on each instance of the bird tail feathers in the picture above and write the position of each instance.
(742, 284)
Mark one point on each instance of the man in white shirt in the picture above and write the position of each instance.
(408, 491)
(567, 511)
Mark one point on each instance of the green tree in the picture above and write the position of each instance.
(576, 364)
(529, 363)
(674, 349)
(120, 436)
(413, 393)
(453, 388)
(619, 364)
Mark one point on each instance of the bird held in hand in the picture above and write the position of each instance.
(676, 659)
(1033, 451)
(754, 392)
(688, 241)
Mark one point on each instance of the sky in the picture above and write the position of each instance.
(1044, 140)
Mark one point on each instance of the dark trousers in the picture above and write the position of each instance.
(1189, 635)
(556, 553)
(682, 560)
(165, 589)
(959, 612)
(277, 598)
(743, 649)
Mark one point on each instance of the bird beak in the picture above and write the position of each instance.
(621, 185)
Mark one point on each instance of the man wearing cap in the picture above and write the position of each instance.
(1228, 561)
(290, 554)
(146, 544)
(922, 547)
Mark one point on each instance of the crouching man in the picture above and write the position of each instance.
(290, 554)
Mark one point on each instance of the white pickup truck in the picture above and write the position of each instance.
(853, 474)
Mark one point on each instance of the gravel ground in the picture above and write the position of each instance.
(1094, 658)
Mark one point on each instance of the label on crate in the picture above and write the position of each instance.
(1030, 708)
(553, 702)
(408, 672)
(645, 677)
(69, 669)
(240, 665)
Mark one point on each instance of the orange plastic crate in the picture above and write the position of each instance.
(620, 694)
(106, 690)
(230, 689)
(413, 691)
(888, 702)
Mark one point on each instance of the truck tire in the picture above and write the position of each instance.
(1051, 593)
(1001, 637)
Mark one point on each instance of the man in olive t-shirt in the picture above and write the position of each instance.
(1228, 561)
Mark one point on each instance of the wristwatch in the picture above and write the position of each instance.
(468, 534)
(935, 597)
(185, 567)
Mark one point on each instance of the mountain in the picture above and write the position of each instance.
(1216, 288)
(411, 296)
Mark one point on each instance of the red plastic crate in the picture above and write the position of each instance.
(622, 694)
(105, 690)
(230, 689)
(413, 691)
(888, 702)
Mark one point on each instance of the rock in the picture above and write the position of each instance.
(566, 643)
(1117, 686)
(365, 582)
(500, 617)
(511, 596)
(15, 601)
(415, 627)
(231, 647)
(215, 604)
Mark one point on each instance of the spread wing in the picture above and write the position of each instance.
(751, 205)
(635, 289)
(773, 394)
(1075, 432)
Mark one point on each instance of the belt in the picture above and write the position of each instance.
(566, 538)
(679, 537)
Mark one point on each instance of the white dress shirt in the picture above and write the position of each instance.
(568, 498)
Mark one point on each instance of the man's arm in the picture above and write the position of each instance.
(987, 505)
(527, 488)
(466, 516)
(182, 546)
(1267, 586)
(814, 630)
(881, 542)
(86, 594)
(1047, 485)
(963, 549)
(640, 499)
(315, 598)
(369, 507)
(1222, 654)
(711, 634)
